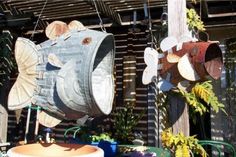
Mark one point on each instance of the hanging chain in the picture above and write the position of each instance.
(100, 19)
(32, 35)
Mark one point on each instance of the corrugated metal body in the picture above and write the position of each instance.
(84, 80)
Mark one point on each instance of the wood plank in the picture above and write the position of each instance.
(64, 16)
(77, 10)
(53, 5)
(177, 26)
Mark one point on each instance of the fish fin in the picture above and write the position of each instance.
(56, 29)
(48, 120)
(54, 60)
(76, 25)
(26, 55)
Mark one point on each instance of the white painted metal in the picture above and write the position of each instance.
(177, 27)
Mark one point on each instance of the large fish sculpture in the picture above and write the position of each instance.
(68, 76)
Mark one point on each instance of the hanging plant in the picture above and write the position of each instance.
(180, 145)
(193, 21)
(200, 93)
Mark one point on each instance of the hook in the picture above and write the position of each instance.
(100, 19)
(164, 18)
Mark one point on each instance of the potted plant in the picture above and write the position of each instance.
(84, 135)
(105, 142)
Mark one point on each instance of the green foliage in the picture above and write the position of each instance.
(162, 103)
(101, 137)
(203, 92)
(124, 122)
(193, 21)
(180, 145)
(84, 134)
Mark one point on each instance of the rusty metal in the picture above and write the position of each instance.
(206, 58)
(86, 41)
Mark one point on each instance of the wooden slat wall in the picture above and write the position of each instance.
(126, 44)
(132, 44)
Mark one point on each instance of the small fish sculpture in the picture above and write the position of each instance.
(183, 63)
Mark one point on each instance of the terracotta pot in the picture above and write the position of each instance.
(55, 150)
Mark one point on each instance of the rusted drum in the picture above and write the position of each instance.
(73, 74)
(55, 150)
(203, 58)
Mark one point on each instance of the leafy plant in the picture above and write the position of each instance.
(101, 137)
(193, 21)
(180, 145)
(203, 92)
(124, 122)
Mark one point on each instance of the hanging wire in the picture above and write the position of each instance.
(200, 10)
(100, 19)
(150, 25)
(32, 35)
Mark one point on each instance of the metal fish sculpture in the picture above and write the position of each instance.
(68, 76)
(183, 63)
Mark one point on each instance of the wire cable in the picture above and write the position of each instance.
(41, 12)
(150, 25)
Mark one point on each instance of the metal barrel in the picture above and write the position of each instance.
(76, 74)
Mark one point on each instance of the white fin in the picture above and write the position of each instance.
(26, 58)
(151, 56)
(48, 120)
(54, 60)
(148, 75)
(56, 29)
(81, 121)
(76, 25)
(168, 43)
(186, 69)
(151, 60)
(172, 58)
